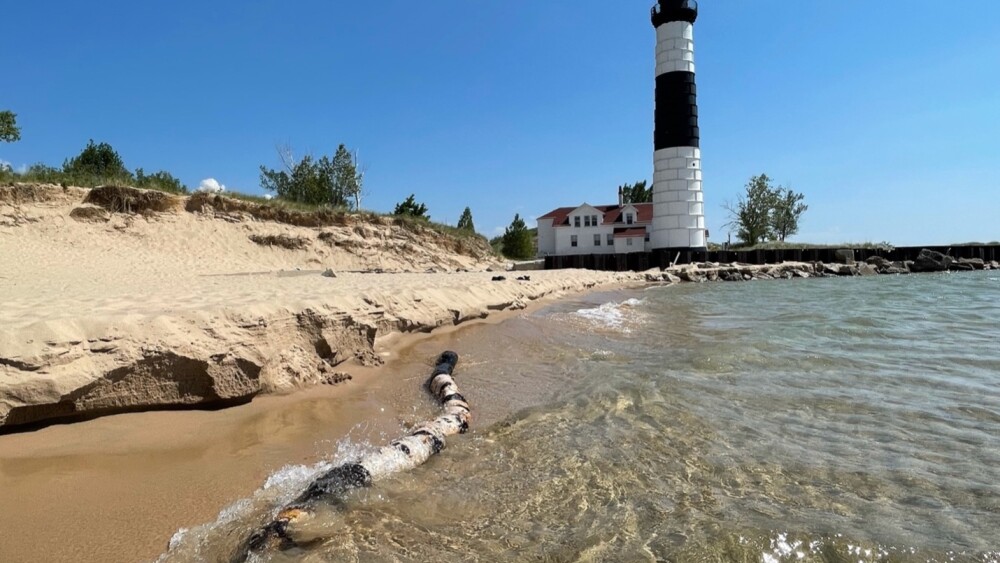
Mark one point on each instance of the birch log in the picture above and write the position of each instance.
(290, 527)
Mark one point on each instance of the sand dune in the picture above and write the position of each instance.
(108, 312)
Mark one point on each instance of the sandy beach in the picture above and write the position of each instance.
(171, 308)
(140, 312)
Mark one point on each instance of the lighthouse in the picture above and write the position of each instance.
(678, 203)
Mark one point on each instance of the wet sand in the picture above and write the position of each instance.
(117, 488)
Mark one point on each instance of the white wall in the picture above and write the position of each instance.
(678, 201)
(674, 47)
(546, 237)
(585, 237)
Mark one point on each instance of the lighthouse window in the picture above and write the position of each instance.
(572, 239)
(576, 220)
(597, 240)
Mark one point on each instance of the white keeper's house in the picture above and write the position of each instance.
(596, 229)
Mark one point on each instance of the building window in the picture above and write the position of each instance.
(628, 218)
(628, 242)
(597, 240)
(576, 220)
(586, 220)
(647, 236)
(611, 239)
(593, 220)
(572, 239)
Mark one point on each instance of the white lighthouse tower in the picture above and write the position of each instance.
(678, 203)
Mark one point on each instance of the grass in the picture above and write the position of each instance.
(55, 176)
(46, 175)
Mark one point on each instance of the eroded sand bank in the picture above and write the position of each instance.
(178, 308)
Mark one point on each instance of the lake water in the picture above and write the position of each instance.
(807, 420)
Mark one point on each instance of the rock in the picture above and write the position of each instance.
(975, 263)
(499, 278)
(329, 273)
(691, 276)
(865, 269)
(879, 262)
(335, 378)
(844, 256)
(995, 265)
(800, 274)
(747, 277)
(895, 270)
(668, 277)
(847, 271)
(831, 269)
(712, 275)
(931, 261)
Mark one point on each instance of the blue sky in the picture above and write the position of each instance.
(885, 114)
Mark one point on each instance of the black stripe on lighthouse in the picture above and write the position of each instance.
(676, 111)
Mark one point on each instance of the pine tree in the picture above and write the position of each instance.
(465, 221)
(517, 240)
(410, 207)
(97, 162)
(637, 192)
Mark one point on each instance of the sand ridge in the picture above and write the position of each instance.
(106, 312)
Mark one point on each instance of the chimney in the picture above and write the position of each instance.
(621, 197)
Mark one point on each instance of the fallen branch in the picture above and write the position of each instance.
(289, 528)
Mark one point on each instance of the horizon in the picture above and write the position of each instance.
(882, 115)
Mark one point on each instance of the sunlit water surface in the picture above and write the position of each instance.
(807, 420)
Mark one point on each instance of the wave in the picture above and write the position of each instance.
(619, 316)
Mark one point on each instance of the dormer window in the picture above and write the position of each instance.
(593, 220)
(628, 219)
(576, 220)
(586, 220)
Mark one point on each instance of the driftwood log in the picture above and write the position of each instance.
(291, 527)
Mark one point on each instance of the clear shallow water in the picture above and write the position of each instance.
(816, 420)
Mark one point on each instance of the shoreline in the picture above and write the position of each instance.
(150, 474)
(303, 331)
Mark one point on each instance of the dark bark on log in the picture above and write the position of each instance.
(403, 454)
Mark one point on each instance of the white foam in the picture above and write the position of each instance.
(280, 488)
(613, 315)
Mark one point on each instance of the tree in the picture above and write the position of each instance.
(347, 181)
(753, 212)
(97, 162)
(410, 207)
(637, 192)
(517, 240)
(162, 180)
(788, 208)
(9, 131)
(465, 221)
(306, 181)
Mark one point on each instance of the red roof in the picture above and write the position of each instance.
(611, 213)
(630, 233)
